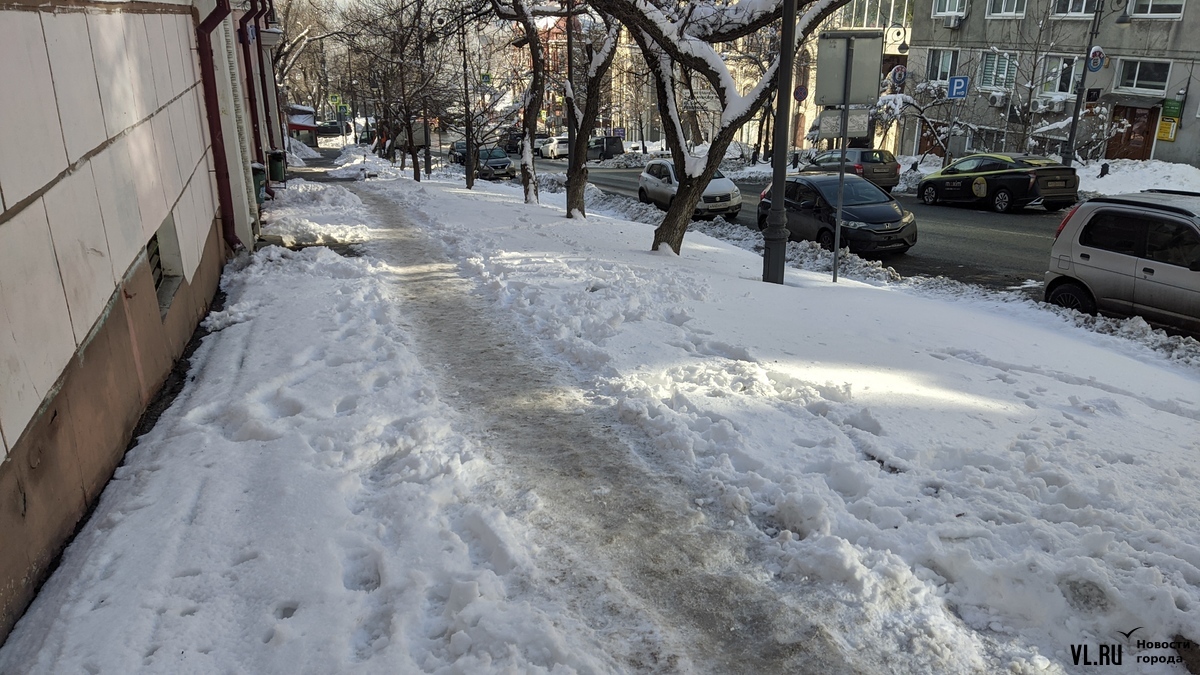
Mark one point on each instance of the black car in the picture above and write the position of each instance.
(331, 129)
(1004, 182)
(872, 220)
(605, 147)
(458, 152)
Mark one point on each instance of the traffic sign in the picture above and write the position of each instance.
(957, 87)
(343, 109)
(899, 74)
(1095, 59)
(800, 93)
(335, 99)
(619, 132)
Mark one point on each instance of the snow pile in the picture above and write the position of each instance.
(293, 160)
(629, 160)
(314, 213)
(301, 150)
(1131, 175)
(357, 161)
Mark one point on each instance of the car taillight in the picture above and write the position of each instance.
(897, 167)
(1064, 220)
(1032, 179)
(858, 169)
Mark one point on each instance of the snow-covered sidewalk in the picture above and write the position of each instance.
(503, 441)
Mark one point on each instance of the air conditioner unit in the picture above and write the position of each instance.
(997, 99)
(952, 22)
(1058, 105)
(1037, 105)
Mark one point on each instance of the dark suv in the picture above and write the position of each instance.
(605, 147)
(1130, 254)
(878, 166)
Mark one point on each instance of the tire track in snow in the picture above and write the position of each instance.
(604, 511)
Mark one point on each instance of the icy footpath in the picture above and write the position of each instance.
(979, 484)
(303, 507)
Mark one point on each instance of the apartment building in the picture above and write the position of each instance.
(1025, 60)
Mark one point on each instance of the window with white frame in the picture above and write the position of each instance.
(1058, 75)
(998, 70)
(949, 7)
(1075, 7)
(1006, 8)
(1157, 8)
(943, 64)
(1151, 75)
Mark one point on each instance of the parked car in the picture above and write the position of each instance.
(458, 152)
(658, 184)
(1004, 182)
(494, 163)
(1130, 254)
(555, 148)
(332, 128)
(538, 139)
(878, 166)
(605, 147)
(872, 220)
(512, 143)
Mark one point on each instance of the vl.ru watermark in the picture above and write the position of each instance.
(1114, 654)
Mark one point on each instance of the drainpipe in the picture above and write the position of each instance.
(252, 97)
(212, 109)
(262, 76)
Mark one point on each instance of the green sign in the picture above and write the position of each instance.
(1172, 108)
(334, 99)
(344, 109)
(487, 78)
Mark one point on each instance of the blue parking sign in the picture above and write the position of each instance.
(957, 87)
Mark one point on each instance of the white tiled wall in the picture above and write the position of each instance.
(105, 86)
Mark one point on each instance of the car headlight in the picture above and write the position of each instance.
(854, 224)
(908, 218)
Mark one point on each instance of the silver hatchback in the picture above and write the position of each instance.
(1130, 254)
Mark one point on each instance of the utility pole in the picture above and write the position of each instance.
(775, 237)
(469, 159)
(1068, 152)
(569, 99)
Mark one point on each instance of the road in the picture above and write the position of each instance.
(968, 244)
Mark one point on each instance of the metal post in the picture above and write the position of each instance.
(1068, 154)
(775, 237)
(469, 158)
(837, 230)
(570, 101)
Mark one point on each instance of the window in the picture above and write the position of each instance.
(1006, 8)
(1075, 7)
(1172, 243)
(943, 7)
(1145, 74)
(1058, 75)
(998, 70)
(1158, 8)
(1112, 231)
(967, 165)
(943, 64)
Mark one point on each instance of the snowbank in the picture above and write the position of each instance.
(315, 213)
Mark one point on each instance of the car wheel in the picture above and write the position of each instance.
(643, 197)
(929, 194)
(888, 189)
(1002, 201)
(733, 215)
(762, 223)
(825, 239)
(1072, 296)
(1056, 206)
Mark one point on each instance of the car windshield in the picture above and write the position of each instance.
(857, 192)
(492, 153)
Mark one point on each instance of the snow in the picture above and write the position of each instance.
(301, 150)
(932, 477)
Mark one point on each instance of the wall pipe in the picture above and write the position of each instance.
(262, 76)
(251, 95)
(212, 109)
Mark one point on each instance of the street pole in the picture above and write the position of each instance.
(469, 159)
(837, 230)
(570, 101)
(775, 237)
(1068, 153)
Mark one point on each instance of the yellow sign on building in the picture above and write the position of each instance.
(1166, 129)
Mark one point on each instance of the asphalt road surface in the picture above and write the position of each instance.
(968, 244)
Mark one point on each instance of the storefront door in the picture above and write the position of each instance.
(1135, 137)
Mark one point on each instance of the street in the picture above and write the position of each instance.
(959, 242)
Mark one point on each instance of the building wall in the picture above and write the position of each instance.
(105, 145)
(1030, 37)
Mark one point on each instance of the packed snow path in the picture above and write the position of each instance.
(623, 527)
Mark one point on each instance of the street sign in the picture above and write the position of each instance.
(800, 93)
(856, 127)
(1095, 59)
(899, 74)
(833, 48)
(343, 109)
(487, 79)
(957, 87)
(619, 132)
(335, 99)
